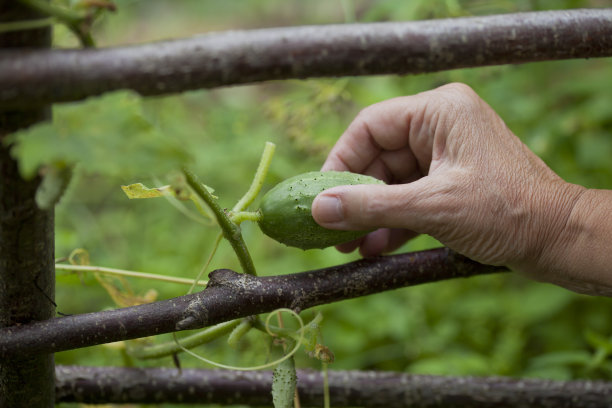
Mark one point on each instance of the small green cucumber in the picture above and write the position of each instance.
(284, 381)
(286, 209)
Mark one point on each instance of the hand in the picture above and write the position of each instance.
(454, 171)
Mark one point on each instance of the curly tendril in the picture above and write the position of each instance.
(259, 367)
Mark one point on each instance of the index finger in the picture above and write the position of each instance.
(379, 127)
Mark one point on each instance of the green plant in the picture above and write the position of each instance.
(188, 187)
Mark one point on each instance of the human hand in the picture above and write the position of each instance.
(455, 172)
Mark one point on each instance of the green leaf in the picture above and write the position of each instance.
(598, 341)
(54, 183)
(109, 135)
(562, 358)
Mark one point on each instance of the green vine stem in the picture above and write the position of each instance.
(65, 15)
(258, 179)
(78, 23)
(214, 332)
(25, 25)
(289, 355)
(240, 331)
(194, 340)
(326, 398)
(231, 231)
(132, 274)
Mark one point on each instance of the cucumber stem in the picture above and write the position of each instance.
(241, 216)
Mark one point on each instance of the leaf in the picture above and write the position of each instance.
(598, 341)
(54, 183)
(121, 292)
(139, 190)
(562, 358)
(109, 135)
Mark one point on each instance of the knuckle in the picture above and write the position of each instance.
(364, 114)
(460, 97)
(459, 87)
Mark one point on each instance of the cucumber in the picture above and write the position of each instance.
(284, 381)
(286, 209)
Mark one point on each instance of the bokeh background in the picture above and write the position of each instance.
(491, 325)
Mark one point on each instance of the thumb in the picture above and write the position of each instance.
(372, 206)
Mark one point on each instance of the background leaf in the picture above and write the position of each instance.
(108, 135)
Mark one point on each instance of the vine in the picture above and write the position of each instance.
(288, 355)
(187, 187)
(79, 19)
(191, 188)
(129, 274)
(231, 230)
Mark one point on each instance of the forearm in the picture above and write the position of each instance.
(581, 257)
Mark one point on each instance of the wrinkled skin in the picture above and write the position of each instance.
(456, 172)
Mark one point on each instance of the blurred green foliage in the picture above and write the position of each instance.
(492, 325)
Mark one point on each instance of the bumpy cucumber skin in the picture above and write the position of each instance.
(286, 209)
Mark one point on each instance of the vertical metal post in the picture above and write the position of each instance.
(27, 281)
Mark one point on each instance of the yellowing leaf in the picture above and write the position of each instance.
(121, 292)
(139, 190)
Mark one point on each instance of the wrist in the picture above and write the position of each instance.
(556, 223)
(578, 252)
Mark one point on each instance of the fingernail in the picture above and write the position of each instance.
(329, 209)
